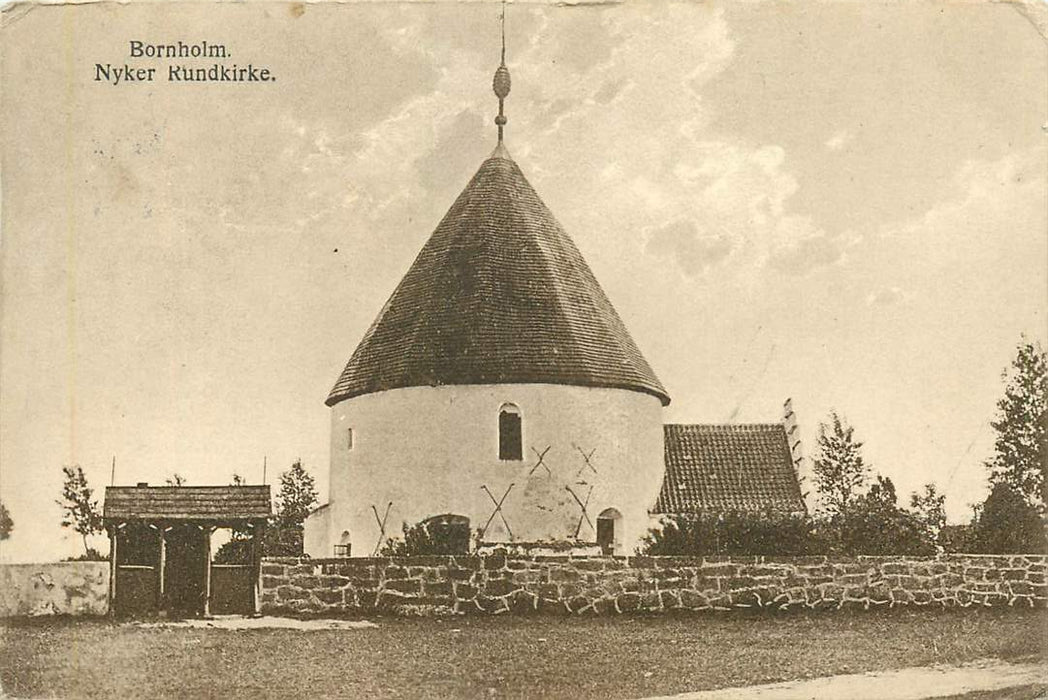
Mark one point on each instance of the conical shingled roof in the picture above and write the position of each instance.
(499, 294)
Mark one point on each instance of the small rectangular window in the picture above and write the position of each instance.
(349, 438)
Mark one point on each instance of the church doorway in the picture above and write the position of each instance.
(609, 535)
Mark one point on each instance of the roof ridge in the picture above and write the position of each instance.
(193, 486)
(725, 425)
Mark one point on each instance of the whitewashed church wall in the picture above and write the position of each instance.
(316, 533)
(433, 450)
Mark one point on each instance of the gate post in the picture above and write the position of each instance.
(160, 568)
(207, 571)
(112, 570)
(258, 533)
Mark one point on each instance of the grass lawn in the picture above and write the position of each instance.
(498, 657)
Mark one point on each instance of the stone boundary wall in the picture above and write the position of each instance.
(59, 588)
(499, 583)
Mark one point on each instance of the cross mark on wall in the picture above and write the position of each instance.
(586, 458)
(498, 510)
(584, 506)
(540, 463)
(381, 526)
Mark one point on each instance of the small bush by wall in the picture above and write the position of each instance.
(440, 534)
(498, 583)
(733, 533)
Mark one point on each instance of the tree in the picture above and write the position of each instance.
(1021, 444)
(238, 549)
(81, 512)
(1007, 524)
(839, 471)
(176, 480)
(297, 495)
(930, 509)
(295, 500)
(6, 523)
(874, 524)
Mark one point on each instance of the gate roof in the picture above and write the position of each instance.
(202, 503)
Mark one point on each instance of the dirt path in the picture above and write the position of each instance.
(901, 684)
(238, 622)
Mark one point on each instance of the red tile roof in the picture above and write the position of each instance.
(728, 467)
(186, 502)
(499, 294)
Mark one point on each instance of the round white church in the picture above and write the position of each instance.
(499, 384)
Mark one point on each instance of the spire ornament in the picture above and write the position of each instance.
(501, 83)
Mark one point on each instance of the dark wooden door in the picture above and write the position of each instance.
(232, 589)
(136, 587)
(185, 571)
(138, 554)
(606, 535)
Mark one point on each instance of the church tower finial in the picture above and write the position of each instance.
(501, 83)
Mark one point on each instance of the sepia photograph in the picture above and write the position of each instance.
(492, 349)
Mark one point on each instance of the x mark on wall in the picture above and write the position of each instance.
(541, 463)
(586, 458)
(585, 514)
(498, 510)
(381, 526)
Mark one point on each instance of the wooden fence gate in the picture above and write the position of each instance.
(161, 559)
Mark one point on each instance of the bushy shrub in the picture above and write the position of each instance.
(283, 539)
(1007, 525)
(733, 533)
(874, 524)
(235, 551)
(956, 539)
(440, 534)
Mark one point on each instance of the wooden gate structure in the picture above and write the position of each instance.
(160, 554)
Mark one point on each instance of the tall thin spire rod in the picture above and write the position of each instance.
(501, 83)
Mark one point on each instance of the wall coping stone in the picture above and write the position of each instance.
(647, 561)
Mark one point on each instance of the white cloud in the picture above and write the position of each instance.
(839, 140)
(885, 296)
(682, 242)
(992, 202)
(613, 134)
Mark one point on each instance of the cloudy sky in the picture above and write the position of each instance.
(841, 203)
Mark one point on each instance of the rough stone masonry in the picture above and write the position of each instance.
(59, 588)
(500, 583)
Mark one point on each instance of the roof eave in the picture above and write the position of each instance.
(659, 393)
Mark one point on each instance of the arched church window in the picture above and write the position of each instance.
(511, 444)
